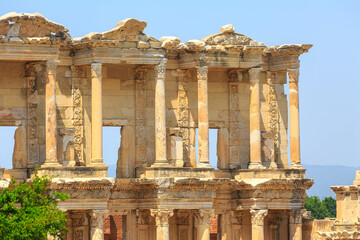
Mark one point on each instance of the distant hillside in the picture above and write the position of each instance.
(326, 176)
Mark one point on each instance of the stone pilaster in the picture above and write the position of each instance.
(140, 129)
(162, 222)
(96, 115)
(203, 116)
(203, 216)
(97, 224)
(184, 115)
(295, 224)
(50, 111)
(255, 133)
(257, 223)
(231, 225)
(273, 115)
(294, 118)
(160, 116)
(234, 114)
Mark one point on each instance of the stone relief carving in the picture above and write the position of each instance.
(78, 118)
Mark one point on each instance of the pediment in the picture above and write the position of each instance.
(229, 38)
(31, 25)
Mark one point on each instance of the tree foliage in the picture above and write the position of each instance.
(321, 209)
(29, 211)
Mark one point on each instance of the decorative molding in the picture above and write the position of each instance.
(204, 216)
(257, 216)
(254, 74)
(160, 70)
(162, 216)
(293, 75)
(96, 70)
(202, 73)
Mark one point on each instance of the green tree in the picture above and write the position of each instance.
(321, 209)
(330, 204)
(29, 211)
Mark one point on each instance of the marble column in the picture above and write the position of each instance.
(295, 224)
(160, 116)
(50, 111)
(203, 216)
(97, 224)
(255, 133)
(294, 118)
(162, 222)
(257, 223)
(203, 117)
(96, 115)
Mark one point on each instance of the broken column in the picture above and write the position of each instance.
(160, 116)
(294, 118)
(162, 222)
(255, 133)
(50, 111)
(203, 116)
(257, 223)
(96, 115)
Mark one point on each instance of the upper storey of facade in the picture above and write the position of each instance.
(61, 91)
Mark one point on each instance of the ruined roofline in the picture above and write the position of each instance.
(33, 28)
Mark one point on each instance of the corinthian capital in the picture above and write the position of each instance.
(293, 75)
(296, 216)
(257, 216)
(95, 70)
(97, 217)
(204, 216)
(160, 69)
(162, 216)
(51, 66)
(254, 74)
(202, 73)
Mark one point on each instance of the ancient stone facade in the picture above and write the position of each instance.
(61, 91)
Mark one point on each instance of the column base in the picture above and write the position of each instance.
(51, 164)
(273, 165)
(256, 166)
(204, 165)
(160, 163)
(296, 166)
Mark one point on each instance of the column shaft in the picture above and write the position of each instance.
(294, 117)
(295, 224)
(162, 222)
(50, 111)
(257, 224)
(255, 133)
(160, 116)
(97, 224)
(203, 216)
(96, 114)
(203, 117)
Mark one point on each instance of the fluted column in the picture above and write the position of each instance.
(50, 111)
(162, 222)
(203, 216)
(96, 114)
(295, 161)
(255, 133)
(257, 223)
(97, 224)
(160, 116)
(203, 117)
(295, 224)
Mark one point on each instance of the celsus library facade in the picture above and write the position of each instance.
(165, 95)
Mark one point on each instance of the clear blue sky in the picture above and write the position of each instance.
(329, 78)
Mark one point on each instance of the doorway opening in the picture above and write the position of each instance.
(111, 145)
(7, 146)
(213, 158)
